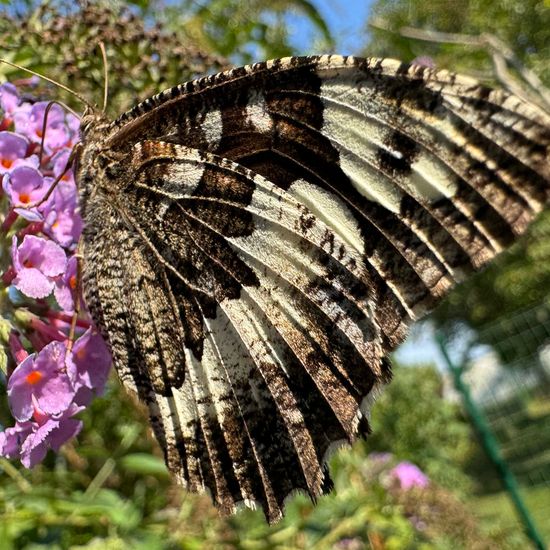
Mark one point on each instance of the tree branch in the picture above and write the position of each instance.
(501, 55)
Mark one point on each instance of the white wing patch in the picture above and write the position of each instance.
(331, 210)
(257, 114)
(180, 179)
(357, 148)
(212, 128)
(430, 180)
(358, 145)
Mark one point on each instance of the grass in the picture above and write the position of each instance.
(498, 508)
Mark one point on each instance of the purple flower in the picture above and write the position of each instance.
(9, 100)
(65, 286)
(40, 384)
(50, 433)
(30, 123)
(41, 333)
(11, 439)
(26, 185)
(73, 125)
(30, 440)
(408, 475)
(37, 263)
(61, 220)
(48, 388)
(13, 152)
(60, 163)
(91, 362)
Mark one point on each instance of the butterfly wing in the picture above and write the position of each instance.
(414, 155)
(281, 225)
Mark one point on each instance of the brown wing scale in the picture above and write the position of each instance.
(257, 241)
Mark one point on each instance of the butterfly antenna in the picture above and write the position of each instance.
(105, 75)
(51, 81)
(45, 123)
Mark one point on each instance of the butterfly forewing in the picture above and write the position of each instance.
(257, 242)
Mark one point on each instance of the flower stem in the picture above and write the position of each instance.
(12, 471)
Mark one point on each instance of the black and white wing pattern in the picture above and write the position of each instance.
(257, 242)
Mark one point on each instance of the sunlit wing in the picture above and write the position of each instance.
(282, 226)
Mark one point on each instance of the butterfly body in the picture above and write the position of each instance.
(256, 242)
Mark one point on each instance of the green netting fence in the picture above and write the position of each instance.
(503, 378)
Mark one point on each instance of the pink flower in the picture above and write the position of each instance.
(30, 440)
(73, 126)
(9, 101)
(408, 475)
(24, 186)
(91, 362)
(41, 334)
(11, 439)
(18, 352)
(65, 286)
(30, 123)
(62, 222)
(60, 163)
(37, 263)
(50, 386)
(40, 384)
(13, 152)
(51, 433)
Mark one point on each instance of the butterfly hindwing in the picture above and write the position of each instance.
(280, 225)
(286, 361)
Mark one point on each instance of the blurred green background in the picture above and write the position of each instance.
(111, 489)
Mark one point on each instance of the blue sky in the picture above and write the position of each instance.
(347, 22)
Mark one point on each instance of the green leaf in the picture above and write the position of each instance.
(144, 464)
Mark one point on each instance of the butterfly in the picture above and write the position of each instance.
(258, 241)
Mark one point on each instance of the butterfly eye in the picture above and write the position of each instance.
(86, 124)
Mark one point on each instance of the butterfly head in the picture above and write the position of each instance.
(92, 123)
(94, 154)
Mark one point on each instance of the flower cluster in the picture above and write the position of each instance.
(402, 475)
(48, 378)
(408, 475)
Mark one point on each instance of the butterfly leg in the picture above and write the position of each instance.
(77, 299)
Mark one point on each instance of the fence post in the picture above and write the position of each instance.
(491, 447)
